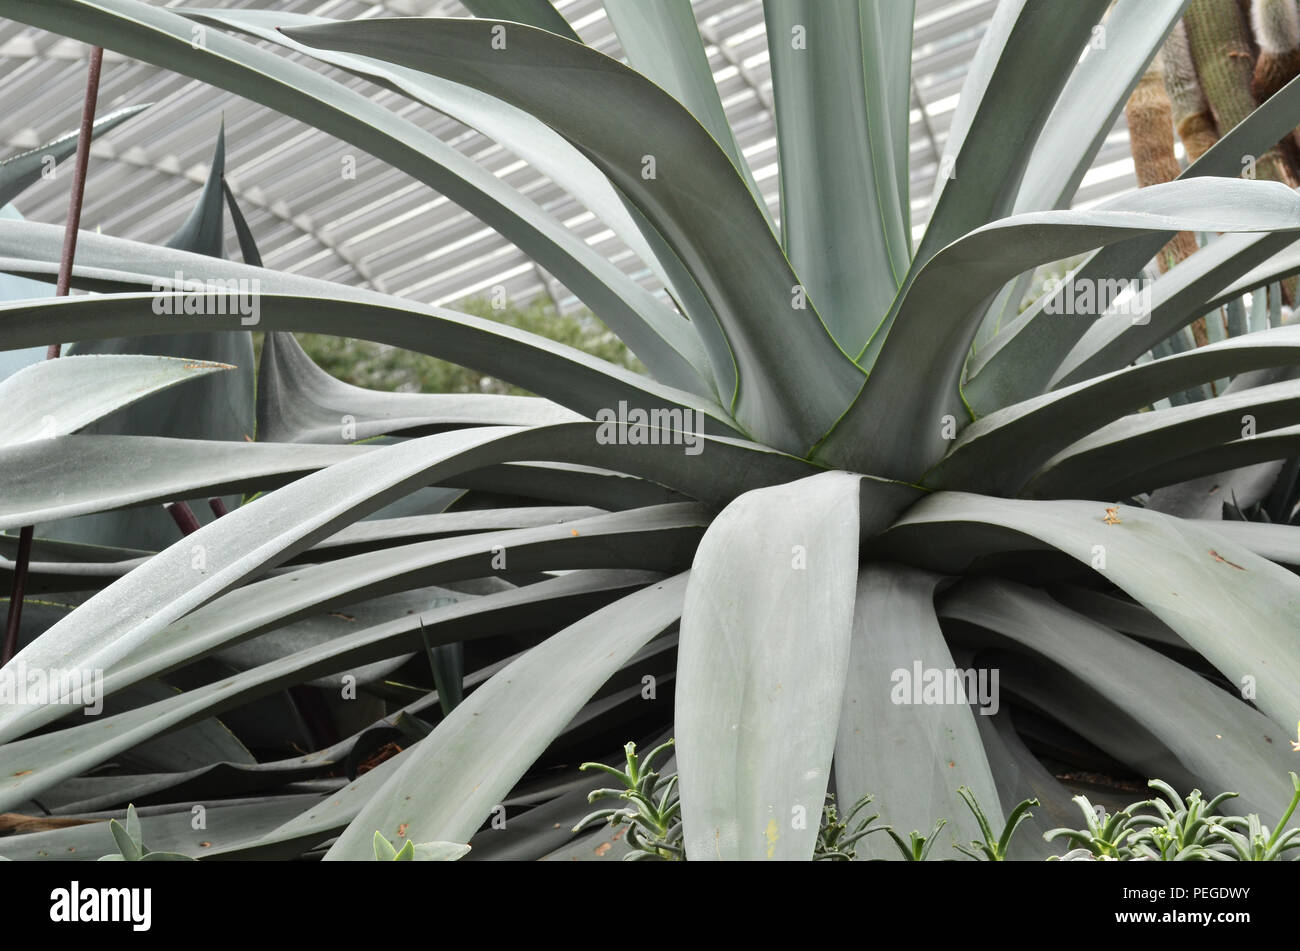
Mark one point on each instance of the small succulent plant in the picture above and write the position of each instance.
(1177, 829)
(130, 843)
(1106, 835)
(994, 847)
(917, 848)
(653, 811)
(837, 839)
(385, 851)
(1183, 830)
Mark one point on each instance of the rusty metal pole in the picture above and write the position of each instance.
(24, 555)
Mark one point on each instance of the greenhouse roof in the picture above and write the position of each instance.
(382, 229)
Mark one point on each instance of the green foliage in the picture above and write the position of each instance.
(653, 813)
(1184, 828)
(1251, 841)
(130, 843)
(1106, 835)
(917, 848)
(1180, 830)
(838, 836)
(994, 847)
(653, 816)
(385, 851)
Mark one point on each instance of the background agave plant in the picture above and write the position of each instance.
(872, 492)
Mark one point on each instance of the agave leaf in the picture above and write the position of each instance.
(1235, 608)
(887, 58)
(199, 743)
(1093, 99)
(45, 549)
(380, 533)
(203, 232)
(195, 467)
(584, 383)
(327, 816)
(453, 777)
(19, 288)
(1195, 485)
(793, 378)
(919, 369)
(1022, 359)
(1219, 739)
(191, 468)
(1175, 299)
(540, 830)
(539, 13)
(21, 170)
(297, 401)
(44, 480)
(253, 537)
(1025, 59)
(88, 388)
(1281, 265)
(1085, 112)
(320, 628)
(1119, 614)
(110, 264)
(756, 708)
(527, 483)
(839, 84)
(662, 42)
(214, 780)
(1113, 454)
(1245, 482)
(163, 37)
(911, 757)
(1178, 297)
(45, 578)
(332, 813)
(247, 243)
(219, 408)
(996, 453)
(1279, 543)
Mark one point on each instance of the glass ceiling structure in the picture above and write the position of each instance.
(382, 229)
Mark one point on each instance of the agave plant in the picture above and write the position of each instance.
(776, 544)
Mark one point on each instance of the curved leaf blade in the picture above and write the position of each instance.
(88, 388)
(910, 756)
(761, 664)
(1234, 607)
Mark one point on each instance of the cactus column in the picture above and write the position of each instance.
(1218, 37)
